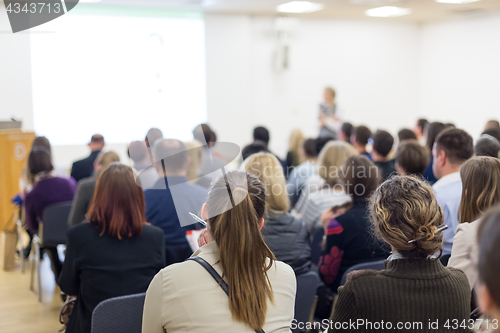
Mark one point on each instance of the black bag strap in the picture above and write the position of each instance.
(215, 275)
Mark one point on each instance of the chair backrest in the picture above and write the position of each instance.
(307, 284)
(377, 265)
(119, 315)
(55, 223)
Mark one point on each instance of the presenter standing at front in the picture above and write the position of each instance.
(329, 116)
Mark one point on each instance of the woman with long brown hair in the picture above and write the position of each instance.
(116, 253)
(260, 296)
(480, 191)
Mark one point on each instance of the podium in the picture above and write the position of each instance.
(15, 146)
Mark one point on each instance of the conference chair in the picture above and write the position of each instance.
(305, 298)
(119, 315)
(377, 265)
(51, 233)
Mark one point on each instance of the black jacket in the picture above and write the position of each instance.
(82, 200)
(101, 267)
(84, 168)
(287, 237)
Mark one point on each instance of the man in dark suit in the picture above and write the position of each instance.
(83, 168)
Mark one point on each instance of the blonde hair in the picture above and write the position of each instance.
(404, 208)
(194, 151)
(331, 159)
(294, 145)
(105, 159)
(270, 173)
(242, 250)
(331, 91)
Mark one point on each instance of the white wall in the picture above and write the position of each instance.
(460, 71)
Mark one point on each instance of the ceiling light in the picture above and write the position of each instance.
(388, 11)
(456, 1)
(300, 7)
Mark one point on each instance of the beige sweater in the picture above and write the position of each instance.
(462, 256)
(185, 298)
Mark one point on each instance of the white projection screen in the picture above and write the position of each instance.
(118, 72)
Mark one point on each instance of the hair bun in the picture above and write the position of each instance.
(426, 232)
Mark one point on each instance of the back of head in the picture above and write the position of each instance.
(105, 159)
(406, 134)
(39, 160)
(152, 136)
(270, 173)
(493, 132)
(422, 124)
(487, 146)
(261, 133)
(412, 157)
(362, 135)
(360, 177)
(243, 252)
(346, 129)
(403, 209)
(332, 158)
(309, 147)
(118, 206)
(96, 142)
(382, 143)
(432, 130)
(253, 148)
(320, 143)
(457, 145)
(171, 156)
(296, 139)
(138, 151)
(204, 134)
(331, 92)
(42, 141)
(480, 187)
(492, 124)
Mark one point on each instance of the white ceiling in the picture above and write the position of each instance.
(422, 10)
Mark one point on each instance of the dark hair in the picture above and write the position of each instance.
(360, 177)
(320, 142)
(456, 143)
(204, 134)
(97, 138)
(406, 134)
(253, 148)
(382, 143)
(493, 124)
(309, 147)
(422, 124)
(412, 157)
(487, 146)
(118, 206)
(347, 130)
(152, 135)
(171, 154)
(492, 131)
(261, 133)
(449, 125)
(40, 160)
(433, 130)
(362, 134)
(42, 141)
(488, 240)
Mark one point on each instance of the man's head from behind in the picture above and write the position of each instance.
(96, 142)
(360, 137)
(411, 158)
(346, 132)
(487, 146)
(138, 151)
(152, 136)
(204, 134)
(451, 149)
(171, 157)
(261, 133)
(492, 124)
(382, 144)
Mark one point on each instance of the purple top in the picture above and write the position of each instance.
(45, 193)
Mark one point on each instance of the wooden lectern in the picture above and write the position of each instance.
(15, 146)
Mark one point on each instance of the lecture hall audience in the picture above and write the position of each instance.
(261, 289)
(303, 171)
(406, 134)
(116, 253)
(383, 142)
(415, 286)
(359, 139)
(83, 168)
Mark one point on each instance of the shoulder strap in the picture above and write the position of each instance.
(215, 275)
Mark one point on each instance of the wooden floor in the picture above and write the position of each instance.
(20, 311)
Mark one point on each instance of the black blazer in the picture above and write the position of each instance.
(101, 267)
(84, 168)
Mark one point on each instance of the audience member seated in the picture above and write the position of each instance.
(83, 168)
(493, 132)
(406, 134)
(260, 143)
(293, 156)
(488, 264)
(431, 132)
(415, 287)
(492, 124)
(47, 190)
(302, 172)
(331, 193)
(173, 187)
(420, 129)
(86, 188)
(195, 153)
(487, 146)
(283, 233)
(382, 146)
(452, 148)
(185, 298)
(153, 135)
(411, 158)
(146, 172)
(348, 238)
(481, 191)
(346, 132)
(360, 138)
(117, 253)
